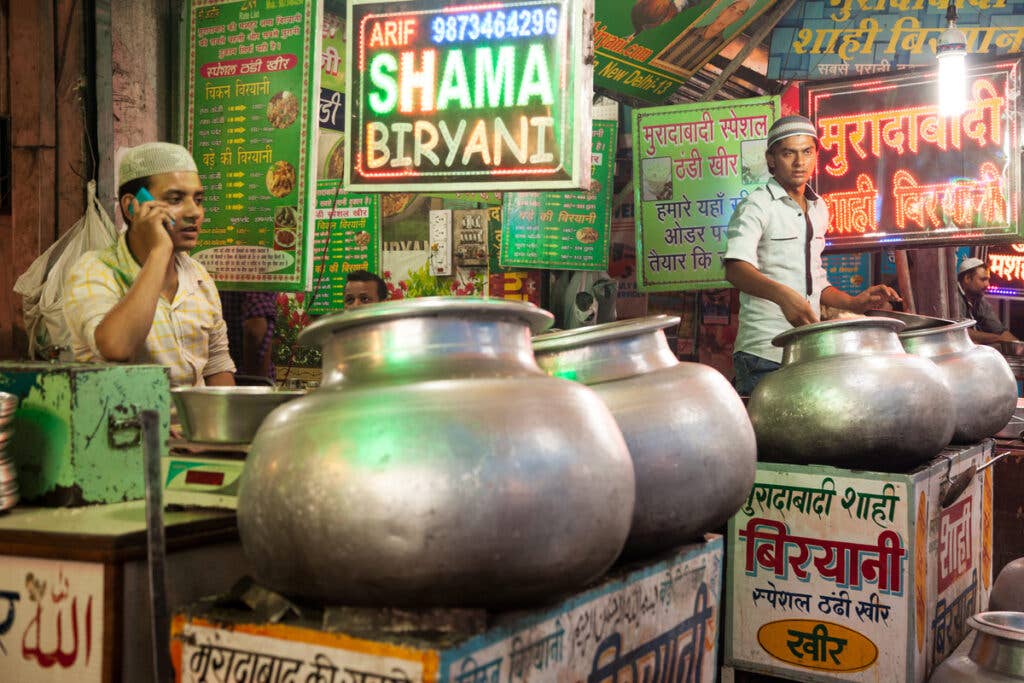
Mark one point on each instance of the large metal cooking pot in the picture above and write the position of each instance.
(435, 465)
(997, 654)
(983, 386)
(685, 425)
(847, 394)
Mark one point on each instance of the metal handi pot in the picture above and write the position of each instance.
(996, 656)
(848, 394)
(692, 445)
(435, 465)
(983, 386)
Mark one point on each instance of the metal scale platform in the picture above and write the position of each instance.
(203, 475)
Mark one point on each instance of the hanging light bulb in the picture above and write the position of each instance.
(951, 51)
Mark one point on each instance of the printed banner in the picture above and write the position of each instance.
(692, 164)
(564, 230)
(896, 172)
(252, 94)
(646, 50)
(490, 97)
(849, 38)
(51, 620)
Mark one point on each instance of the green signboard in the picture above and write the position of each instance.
(347, 239)
(450, 96)
(692, 165)
(565, 230)
(643, 51)
(252, 98)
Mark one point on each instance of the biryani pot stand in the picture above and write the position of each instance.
(688, 433)
(848, 394)
(436, 465)
(983, 386)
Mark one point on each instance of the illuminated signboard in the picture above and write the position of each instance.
(896, 172)
(1006, 270)
(463, 97)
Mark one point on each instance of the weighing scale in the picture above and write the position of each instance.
(203, 475)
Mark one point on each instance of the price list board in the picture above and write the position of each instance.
(564, 230)
(347, 239)
(692, 165)
(251, 98)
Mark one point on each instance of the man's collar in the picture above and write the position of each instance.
(778, 192)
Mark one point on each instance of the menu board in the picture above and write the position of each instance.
(347, 228)
(565, 230)
(252, 87)
(849, 272)
(692, 165)
(894, 171)
(450, 96)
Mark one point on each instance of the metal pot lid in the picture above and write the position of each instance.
(582, 336)
(913, 321)
(948, 327)
(852, 323)
(1008, 625)
(535, 317)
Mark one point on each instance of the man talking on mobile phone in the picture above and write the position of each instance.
(144, 299)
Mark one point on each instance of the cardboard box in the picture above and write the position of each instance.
(846, 575)
(646, 622)
(76, 437)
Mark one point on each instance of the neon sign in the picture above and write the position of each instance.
(1005, 265)
(461, 96)
(894, 171)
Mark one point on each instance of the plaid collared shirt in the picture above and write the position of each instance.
(188, 334)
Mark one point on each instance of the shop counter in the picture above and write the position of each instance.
(74, 591)
(649, 621)
(846, 575)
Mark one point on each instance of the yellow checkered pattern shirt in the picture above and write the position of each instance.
(189, 334)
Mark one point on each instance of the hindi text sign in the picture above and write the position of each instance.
(895, 172)
(692, 165)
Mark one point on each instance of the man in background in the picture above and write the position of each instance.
(251, 317)
(363, 287)
(971, 283)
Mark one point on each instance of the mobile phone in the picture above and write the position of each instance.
(142, 196)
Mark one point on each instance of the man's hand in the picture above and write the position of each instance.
(152, 222)
(797, 310)
(874, 297)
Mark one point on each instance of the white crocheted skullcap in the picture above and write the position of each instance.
(788, 126)
(152, 158)
(969, 263)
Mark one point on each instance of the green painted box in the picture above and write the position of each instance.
(77, 439)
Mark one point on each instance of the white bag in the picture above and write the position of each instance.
(42, 285)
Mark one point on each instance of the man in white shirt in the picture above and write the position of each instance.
(775, 239)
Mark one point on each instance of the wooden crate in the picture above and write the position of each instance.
(655, 621)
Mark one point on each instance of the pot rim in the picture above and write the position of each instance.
(925, 331)
(914, 321)
(536, 318)
(564, 340)
(998, 624)
(874, 321)
(234, 391)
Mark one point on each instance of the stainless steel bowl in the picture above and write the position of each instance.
(226, 414)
